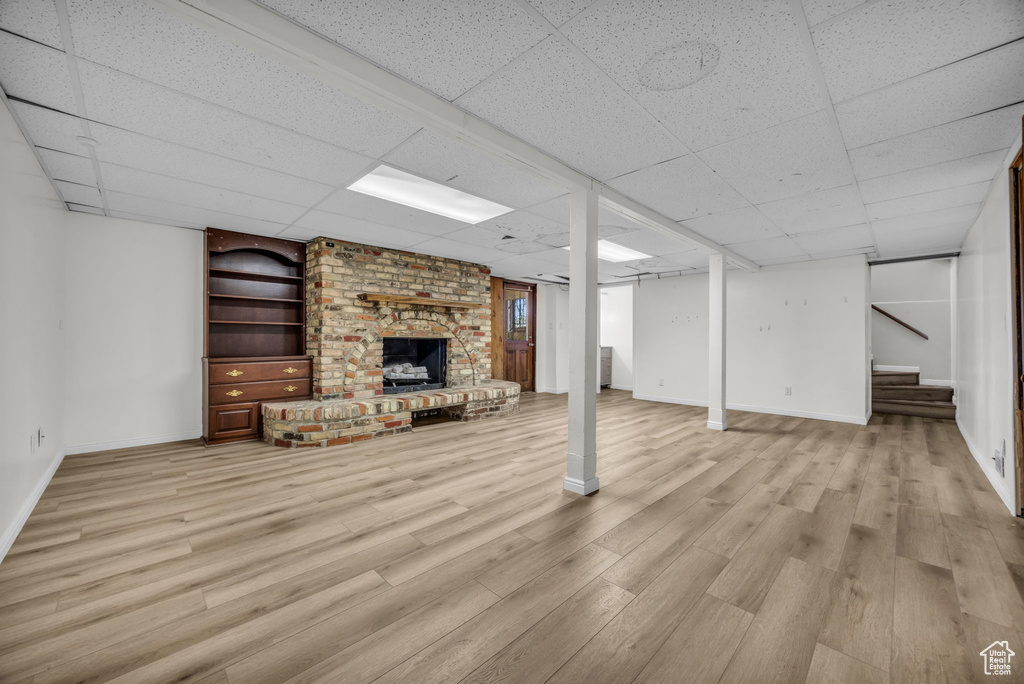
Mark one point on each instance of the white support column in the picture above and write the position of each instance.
(581, 461)
(716, 346)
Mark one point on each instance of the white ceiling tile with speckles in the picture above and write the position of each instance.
(769, 249)
(83, 209)
(143, 41)
(445, 47)
(818, 11)
(179, 222)
(964, 214)
(891, 40)
(68, 167)
(50, 129)
(982, 167)
(691, 258)
(651, 243)
(680, 189)
(790, 159)
(34, 19)
(741, 225)
(651, 47)
(929, 201)
(931, 240)
(452, 249)
(36, 73)
(980, 84)
(560, 102)
(523, 266)
(477, 235)
(124, 148)
(522, 225)
(126, 102)
(359, 230)
(358, 205)
(187, 193)
(557, 210)
(560, 11)
(79, 194)
(455, 164)
(965, 138)
(835, 239)
(830, 208)
(175, 214)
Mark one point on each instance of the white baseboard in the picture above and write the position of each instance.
(936, 383)
(987, 467)
(856, 420)
(551, 390)
(898, 369)
(628, 388)
(14, 529)
(128, 443)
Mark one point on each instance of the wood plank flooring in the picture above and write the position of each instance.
(782, 550)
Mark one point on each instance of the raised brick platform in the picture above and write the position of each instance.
(341, 421)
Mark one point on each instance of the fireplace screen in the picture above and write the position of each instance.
(414, 364)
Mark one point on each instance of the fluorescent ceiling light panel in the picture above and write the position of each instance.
(390, 184)
(609, 251)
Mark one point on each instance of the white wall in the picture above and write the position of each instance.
(918, 292)
(617, 332)
(984, 382)
(552, 350)
(32, 307)
(134, 333)
(800, 325)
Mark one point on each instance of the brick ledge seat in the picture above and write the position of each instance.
(341, 421)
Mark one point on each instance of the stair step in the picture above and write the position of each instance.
(906, 407)
(912, 392)
(894, 378)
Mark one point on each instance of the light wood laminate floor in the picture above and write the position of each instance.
(783, 550)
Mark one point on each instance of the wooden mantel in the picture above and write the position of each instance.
(403, 299)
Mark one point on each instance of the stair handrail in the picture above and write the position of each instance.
(904, 324)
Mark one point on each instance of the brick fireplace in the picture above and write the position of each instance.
(346, 328)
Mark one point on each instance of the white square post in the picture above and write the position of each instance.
(716, 347)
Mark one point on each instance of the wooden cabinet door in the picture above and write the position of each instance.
(519, 312)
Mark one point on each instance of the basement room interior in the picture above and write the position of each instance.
(524, 341)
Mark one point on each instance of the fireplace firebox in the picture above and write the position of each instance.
(414, 364)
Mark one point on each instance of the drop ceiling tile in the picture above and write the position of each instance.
(932, 240)
(771, 249)
(444, 47)
(741, 225)
(680, 189)
(609, 222)
(482, 237)
(981, 167)
(942, 217)
(562, 239)
(818, 11)
(174, 214)
(653, 49)
(784, 260)
(965, 138)
(816, 210)
(554, 258)
(360, 206)
(929, 201)
(34, 72)
(790, 159)
(453, 163)
(525, 266)
(132, 150)
(868, 251)
(156, 186)
(691, 258)
(891, 40)
(358, 230)
(980, 84)
(443, 247)
(130, 216)
(651, 243)
(79, 194)
(123, 101)
(47, 128)
(34, 19)
(560, 102)
(84, 209)
(68, 167)
(143, 41)
(560, 11)
(522, 225)
(836, 239)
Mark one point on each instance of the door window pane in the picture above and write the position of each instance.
(515, 315)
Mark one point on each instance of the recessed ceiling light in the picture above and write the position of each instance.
(390, 184)
(609, 251)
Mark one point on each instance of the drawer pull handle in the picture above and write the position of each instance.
(289, 371)
(234, 373)
(290, 388)
(235, 393)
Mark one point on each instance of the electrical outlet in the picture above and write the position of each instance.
(661, 383)
(789, 391)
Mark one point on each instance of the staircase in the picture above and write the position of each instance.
(902, 394)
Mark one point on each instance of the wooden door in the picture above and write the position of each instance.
(518, 313)
(1017, 253)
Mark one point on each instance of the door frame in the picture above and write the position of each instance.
(498, 327)
(1016, 180)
